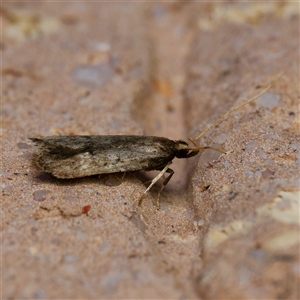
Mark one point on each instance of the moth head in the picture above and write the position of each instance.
(182, 149)
(185, 151)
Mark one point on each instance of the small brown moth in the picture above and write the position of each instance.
(80, 156)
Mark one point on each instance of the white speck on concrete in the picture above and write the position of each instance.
(251, 146)
(221, 138)
(269, 100)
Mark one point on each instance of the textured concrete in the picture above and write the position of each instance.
(229, 224)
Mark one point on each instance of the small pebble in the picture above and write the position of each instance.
(269, 100)
(251, 146)
(95, 75)
(40, 195)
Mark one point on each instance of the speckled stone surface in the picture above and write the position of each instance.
(229, 224)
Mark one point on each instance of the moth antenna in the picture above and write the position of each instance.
(193, 142)
(208, 147)
(234, 109)
(197, 148)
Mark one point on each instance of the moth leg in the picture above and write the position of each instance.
(154, 180)
(171, 173)
(124, 173)
(146, 182)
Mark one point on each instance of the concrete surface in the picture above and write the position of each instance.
(229, 224)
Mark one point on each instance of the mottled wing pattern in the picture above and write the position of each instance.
(80, 156)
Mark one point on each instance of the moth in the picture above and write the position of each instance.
(80, 156)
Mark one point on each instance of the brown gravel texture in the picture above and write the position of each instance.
(228, 227)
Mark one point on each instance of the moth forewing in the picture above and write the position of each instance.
(80, 156)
